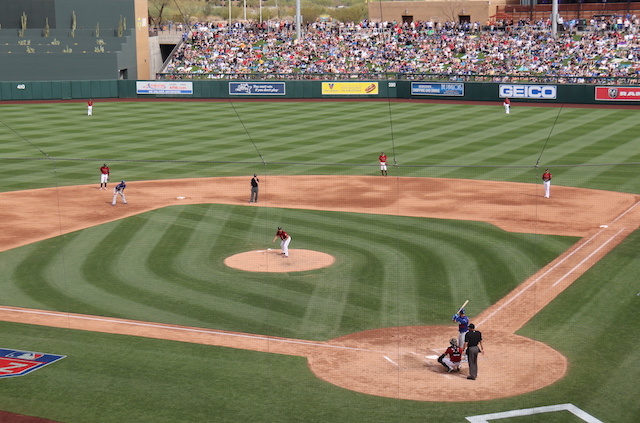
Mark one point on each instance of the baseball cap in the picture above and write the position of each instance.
(255, 174)
(472, 326)
(124, 182)
(279, 228)
(462, 311)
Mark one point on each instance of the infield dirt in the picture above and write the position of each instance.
(396, 362)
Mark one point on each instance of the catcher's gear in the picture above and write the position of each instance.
(440, 360)
(453, 342)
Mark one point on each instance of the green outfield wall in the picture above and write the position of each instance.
(315, 89)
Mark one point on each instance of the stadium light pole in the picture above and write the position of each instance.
(554, 18)
(299, 18)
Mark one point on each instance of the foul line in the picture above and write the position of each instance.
(178, 328)
(579, 248)
(588, 257)
(545, 273)
(628, 210)
(391, 361)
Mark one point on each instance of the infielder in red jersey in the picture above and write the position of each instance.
(383, 163)
(452, 357)
(104, 176)
(285, 240)
(546, 181)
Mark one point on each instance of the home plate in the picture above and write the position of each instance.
(431, 357)
(181, 198)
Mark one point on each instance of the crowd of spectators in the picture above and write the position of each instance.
(450, 49)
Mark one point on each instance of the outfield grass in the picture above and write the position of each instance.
(166, 265)
(590, 148)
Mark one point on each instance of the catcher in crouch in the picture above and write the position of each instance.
(452, 357)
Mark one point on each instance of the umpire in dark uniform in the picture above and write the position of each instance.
(254, 188)
(473, 346)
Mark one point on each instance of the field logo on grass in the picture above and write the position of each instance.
(19, 363)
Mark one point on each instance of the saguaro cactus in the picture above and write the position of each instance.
(73, 23)
(23, 23)
(120, 27)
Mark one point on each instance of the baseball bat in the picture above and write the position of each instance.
(465, 303)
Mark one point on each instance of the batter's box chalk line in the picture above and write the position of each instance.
(484, 418)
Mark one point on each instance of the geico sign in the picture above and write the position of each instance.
(545, 92)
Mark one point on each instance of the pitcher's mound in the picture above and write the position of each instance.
(273, 261)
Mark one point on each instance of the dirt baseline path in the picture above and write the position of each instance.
(391, 362)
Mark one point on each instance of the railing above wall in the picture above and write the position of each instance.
(536, 79)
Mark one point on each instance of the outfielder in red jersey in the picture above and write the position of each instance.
(285, 240)
(383, 163)
(90, 107)
(452, 357)
(104, 176)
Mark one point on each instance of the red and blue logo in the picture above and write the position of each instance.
(19, 363)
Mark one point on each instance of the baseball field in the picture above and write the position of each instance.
(177, 306)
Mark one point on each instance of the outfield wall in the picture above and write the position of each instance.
(314, 89)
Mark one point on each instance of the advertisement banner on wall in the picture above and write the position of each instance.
(437, 88)
(618, 93)
(534, 92)
(349, 88)
(257, 88)
(164, 87)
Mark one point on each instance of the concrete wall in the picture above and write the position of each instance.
(143, 60)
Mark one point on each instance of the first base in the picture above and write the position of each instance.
(181, 198)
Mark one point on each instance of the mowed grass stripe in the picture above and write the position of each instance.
(454, 137)
(577, 140)
(38, 285)
(467, 144)
(375, 281)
